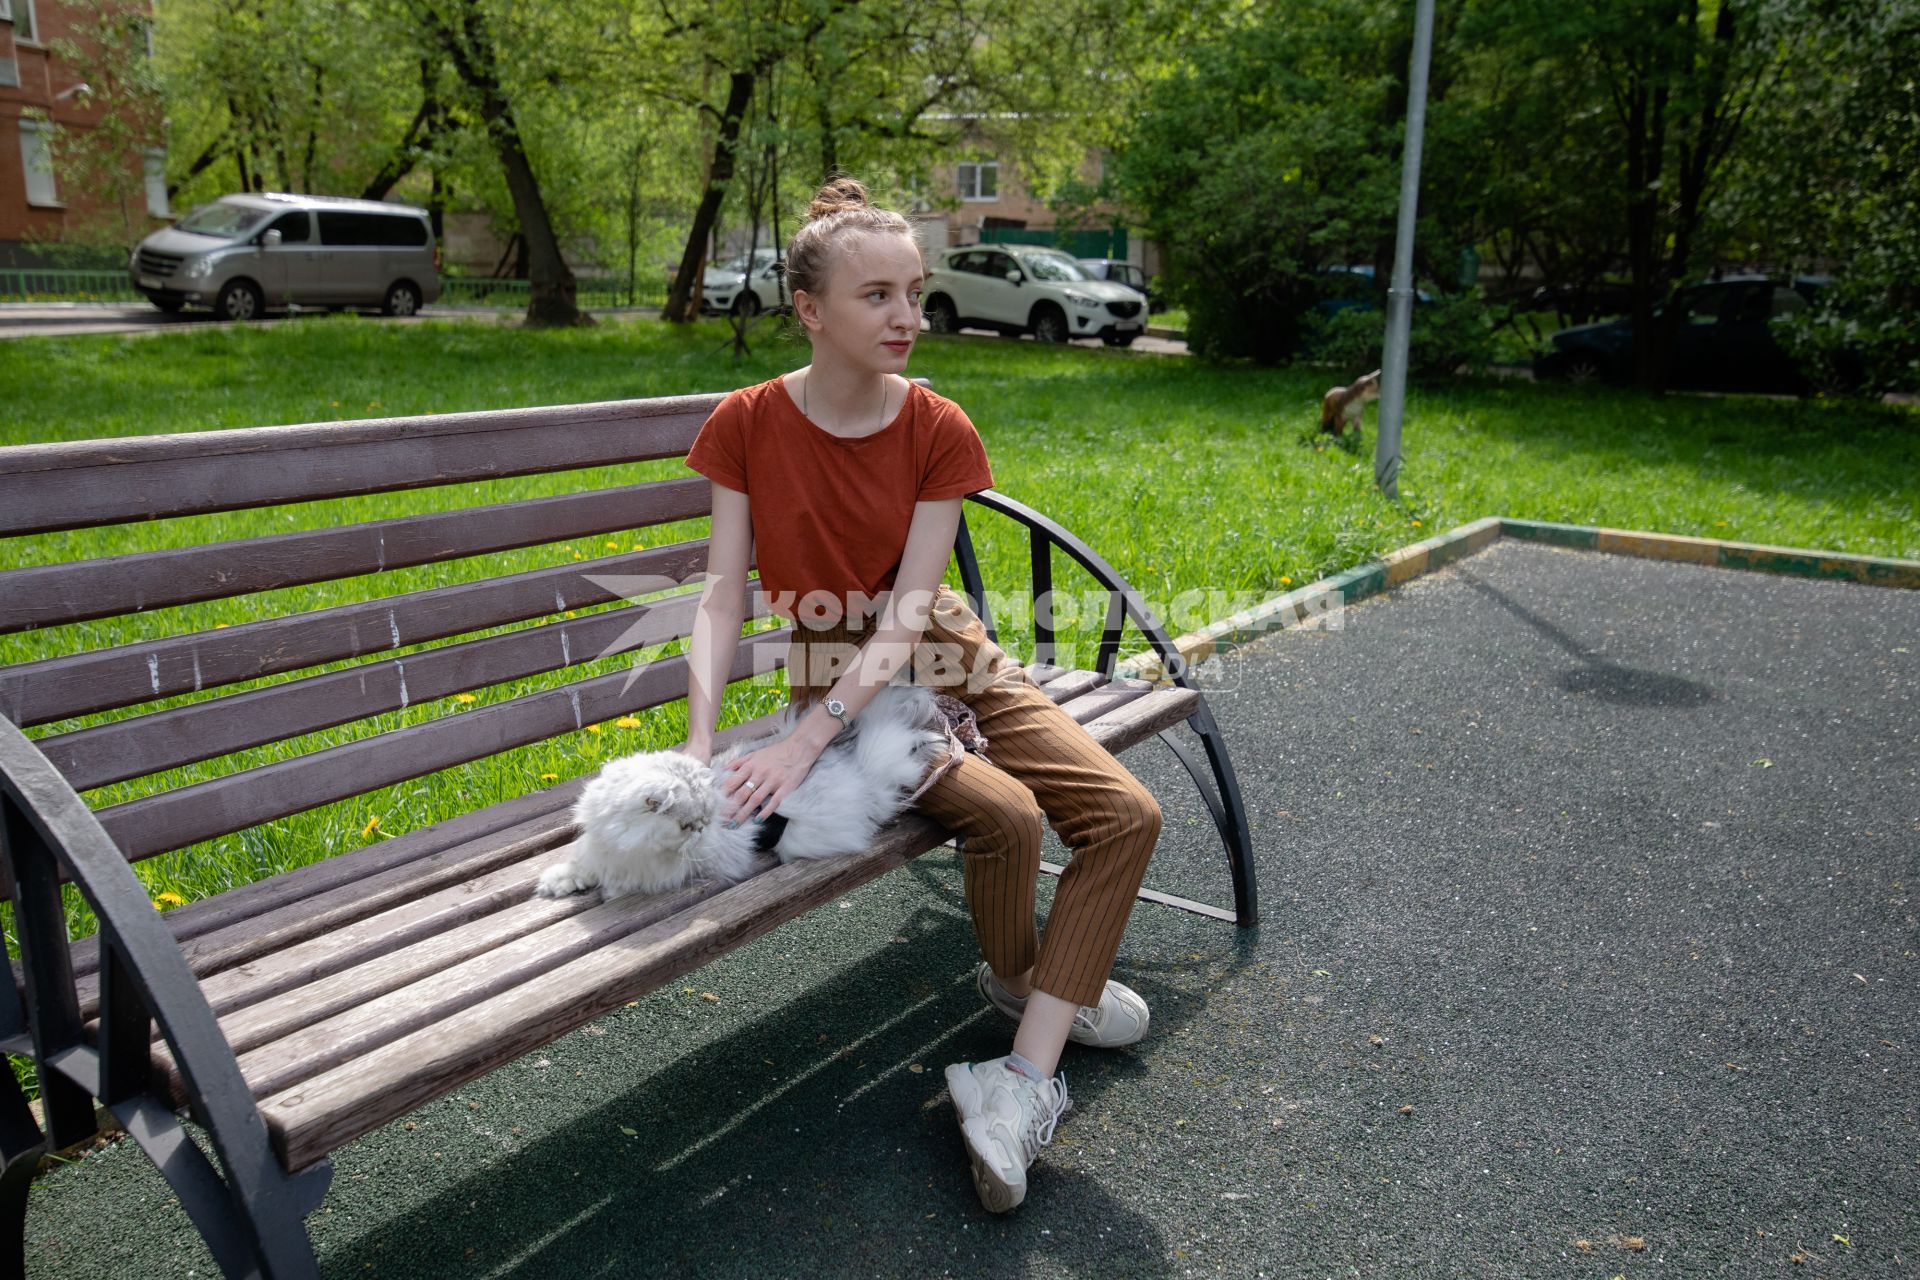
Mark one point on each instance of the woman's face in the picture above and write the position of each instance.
(867, 313)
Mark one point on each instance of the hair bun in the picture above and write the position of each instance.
(838, 196)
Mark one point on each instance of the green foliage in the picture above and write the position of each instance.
(1832, 184)
(1273, 154)
(1446, 335)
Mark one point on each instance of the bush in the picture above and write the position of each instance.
(1854, 342)
(1446, 334)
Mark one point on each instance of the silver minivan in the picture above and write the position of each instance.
(244, 254)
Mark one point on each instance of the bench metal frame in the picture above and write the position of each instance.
(1222, 797)
(249, 1210)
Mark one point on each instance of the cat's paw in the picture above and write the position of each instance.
(563, 879)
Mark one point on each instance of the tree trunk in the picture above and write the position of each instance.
(681, 302)
(551, 297)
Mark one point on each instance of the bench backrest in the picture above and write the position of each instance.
(266, 725)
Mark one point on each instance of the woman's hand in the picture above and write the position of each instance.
(773, 772)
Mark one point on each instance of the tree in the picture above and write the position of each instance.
(463, 34)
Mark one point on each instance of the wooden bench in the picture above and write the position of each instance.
(291, 1015)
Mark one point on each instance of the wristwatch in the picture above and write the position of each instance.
(838, 709)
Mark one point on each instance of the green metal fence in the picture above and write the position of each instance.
(1111, 243)
(64, 284)
(590, 292)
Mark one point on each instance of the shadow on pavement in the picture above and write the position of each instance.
(775, 1150)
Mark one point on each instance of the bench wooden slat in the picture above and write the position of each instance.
(126, 675)
(235, 926)
(187, 815)
(357, 1095)
(452, 980)
(1072, 684)
(1095, 703)
(506, 910)
(109, 586)
(80, 484)
(140, 745)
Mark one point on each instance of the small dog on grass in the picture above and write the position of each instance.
(649, 822)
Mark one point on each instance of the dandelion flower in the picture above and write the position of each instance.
(593, 728)
(1285, 581)
(161, 901)
(463, 697)
(367, 830)
(628, 722)
(549, 777)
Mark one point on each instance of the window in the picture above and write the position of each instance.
(348, 227)
(36, 157)
(294, 228)
(1045, 264)
(980, 181)
(25, 29)
(156, 171)
(1787, 302)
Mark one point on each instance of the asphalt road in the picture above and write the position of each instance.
(1588, 950)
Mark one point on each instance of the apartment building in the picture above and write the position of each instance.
(986, 198)
(58, 182)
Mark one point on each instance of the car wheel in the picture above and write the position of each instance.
(403, 299)
(169, 305)
(941, 317)
(1582, 370)
(1120, 339)
(1049, 324)
(747, 304)
(239, 300)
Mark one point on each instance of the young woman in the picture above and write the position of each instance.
(849, 480)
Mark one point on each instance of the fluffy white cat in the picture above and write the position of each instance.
(649, 822)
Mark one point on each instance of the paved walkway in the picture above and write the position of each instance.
(1589, 949)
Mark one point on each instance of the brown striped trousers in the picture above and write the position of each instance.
(1038, 762)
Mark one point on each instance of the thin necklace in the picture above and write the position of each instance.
(806, 380)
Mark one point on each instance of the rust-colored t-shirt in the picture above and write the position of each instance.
(831, 514)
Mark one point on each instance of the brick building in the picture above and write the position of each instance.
(64, 176)
(993, 203)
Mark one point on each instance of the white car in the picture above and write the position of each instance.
(1018, 288)
(726, 287)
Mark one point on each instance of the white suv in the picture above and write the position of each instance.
(727, 287)
(1018, 288)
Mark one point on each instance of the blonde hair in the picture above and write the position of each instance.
(839, 207)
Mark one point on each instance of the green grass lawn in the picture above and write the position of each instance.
(1185, 476)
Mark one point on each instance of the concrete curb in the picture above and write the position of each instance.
(1304, 606)
(1879, 571)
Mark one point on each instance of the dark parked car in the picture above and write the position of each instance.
(1722, 342)
(1582, 303)
(1121, 273)
(1344, 288)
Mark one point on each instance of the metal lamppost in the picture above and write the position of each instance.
(1393, 365)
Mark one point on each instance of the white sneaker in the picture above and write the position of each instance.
(1120, 1018)
(1005, 1118)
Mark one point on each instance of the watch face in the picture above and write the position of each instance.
(836, 707)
